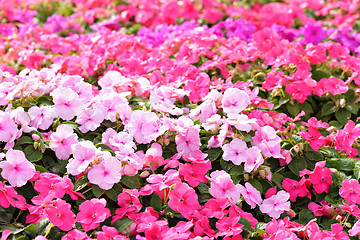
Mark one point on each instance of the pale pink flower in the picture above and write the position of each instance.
(41, 117)
(251, 195)
(253, 159)
(107, 173)
(62, 140)
(235, 100)
(222, 186)
(235, 151)
(188, 142)
(275, 205)
(8, 128)
(84, 153)
(17, 169)
(67, 103)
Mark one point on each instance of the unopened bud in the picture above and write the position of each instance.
(144, 174)
(246, 177)
(262, 173)
(35, 137)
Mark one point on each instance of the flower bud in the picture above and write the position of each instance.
(35, 137)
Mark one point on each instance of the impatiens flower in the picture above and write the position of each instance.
(235, 151)
(355, 230)
(8, 196)
(61, 215)
(253, 159)
(275, 205)
(62, 140)
(8, 128)
(106, 173)
(17, 169)
(321, 178)
(194, 173)
(251, 195)
(75, 234)
(67, 103)
(350, 191)
(188, 142)
(184, 200)
(84, 153)
(223, 187)
(296, 189)
(235, 100)
(92, 213)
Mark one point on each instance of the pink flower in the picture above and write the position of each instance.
(84, 153)
(8, 128)
(107, 173)
(61, 215)
(194, 173)
(8, 196)
(321, 178)
(41, 117)
(62, 140)
(188, 142)
(355, 230)
(275, 205)
(253, 159)
(251, 195)
(235, 151)
(67, 103)
(223, 187)
(235, 100)
(296, 189)
(75, 234)
(92, 213)
(350, 191)
(184, 200)
(17, 169)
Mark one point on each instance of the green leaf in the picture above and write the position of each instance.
(97, 191)
(306, 215)
(156, 202)
(277, 178)
(307, 108)
(297, 164)
(114, 192)
(350, 96)
(203, 188)
(344, 164)
(328, 109)
(237, 170)
(352, 107)
(319, 74)
(32, 154)
(335, 124)
(213, 154)
(343, 116)
(294, 110)
(122, 224)
(314, 156)
(42, 227)
(40, 168)
(24, 140)
(103, 146)
(81, 183)
(247, 225)
(131, 181)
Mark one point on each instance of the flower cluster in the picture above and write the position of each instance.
(179, 119)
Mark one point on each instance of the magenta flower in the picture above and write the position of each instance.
(275, 205)
(184, 200)
(62, 140)
(350, 191)
(235, 100)
(92, 213)
(61, 215)
(321, 178)
(107, 173)
(17, 169)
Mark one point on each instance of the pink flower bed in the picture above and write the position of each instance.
(179, 120)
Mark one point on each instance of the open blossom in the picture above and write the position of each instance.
(235, 151)
(106, 173)
(17, 169)
(83, 154)
(223, 187)
(8, 128)
(67, 103)
(235, 100)
(350, 191)
(275, 205)
(62, 140)
(251, 195)
(188, 142)
(41, 117)
(92, 213)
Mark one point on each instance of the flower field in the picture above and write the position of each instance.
(191, 119)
